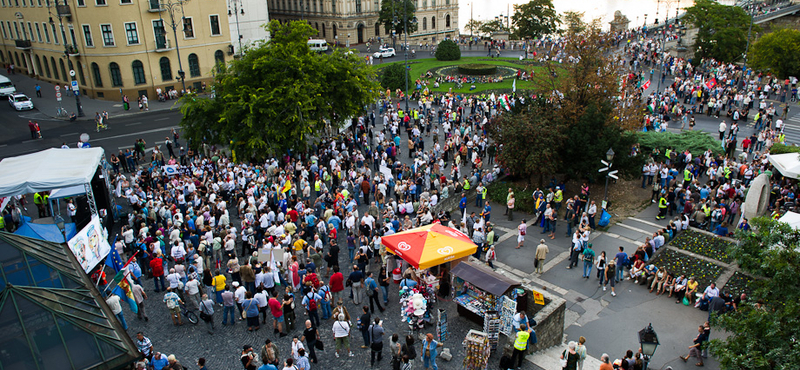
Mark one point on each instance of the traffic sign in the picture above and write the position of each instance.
(603, 169)
(74, 85)
(604, 162)
(58, 95)
(58, 87)
(613, 174)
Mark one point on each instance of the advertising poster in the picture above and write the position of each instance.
(90, 246)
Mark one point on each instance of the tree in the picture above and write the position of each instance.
(473, 26)
(535, 19)
(764, 336)
(721, 30)
(391, 16)
(585, 113)
(394, 77)
(278, 95)
(778, 52)
(490, 27)
(573, 21)
(448, 50)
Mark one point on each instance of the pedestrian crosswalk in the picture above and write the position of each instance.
(792, 130)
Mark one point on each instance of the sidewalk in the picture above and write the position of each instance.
(48, 105)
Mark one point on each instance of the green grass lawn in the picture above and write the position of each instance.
(420, 66)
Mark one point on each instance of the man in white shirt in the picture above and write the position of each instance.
(116, 308)
(192, 289)
(239, 296)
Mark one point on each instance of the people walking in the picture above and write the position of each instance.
(541, 255)
(522, 229)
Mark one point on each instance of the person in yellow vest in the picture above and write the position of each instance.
(558, 198)
(520, 345)
(687, 176)
(38, 200)
(662, 206)
(318, 186)
(466, 184)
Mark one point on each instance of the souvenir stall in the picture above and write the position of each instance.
(479, 290)
(478, 350)
(422, 248)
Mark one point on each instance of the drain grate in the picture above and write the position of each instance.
(579, 299)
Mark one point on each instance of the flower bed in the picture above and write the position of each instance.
(480, 69)
(678, 263)
(739, 283)
(703, 244)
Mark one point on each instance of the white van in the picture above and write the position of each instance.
(6, 87)
(319, 46)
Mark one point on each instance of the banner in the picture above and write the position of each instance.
(171, 169)
(90, 246)
(646, 85)
(4, 202)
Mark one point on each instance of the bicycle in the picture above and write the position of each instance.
(101, 125)
(61, 112)
(189, 314)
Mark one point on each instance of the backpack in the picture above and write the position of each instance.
(312, 303)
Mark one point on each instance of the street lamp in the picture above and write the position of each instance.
(648, 339)
(61, 227)
(67, 48)
(237, 8)
(171, 6)
(609, 173)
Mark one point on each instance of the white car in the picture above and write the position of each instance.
(384, 52)
(20, 102)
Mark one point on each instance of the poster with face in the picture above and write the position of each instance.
(90, 246)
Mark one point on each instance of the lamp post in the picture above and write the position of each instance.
(237, 7)
(61, 226)
(76, 93)
(171, 6)
(648, 339)
(747, 48)
(609, 173)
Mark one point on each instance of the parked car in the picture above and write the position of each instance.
(384, 52)
(20, 102)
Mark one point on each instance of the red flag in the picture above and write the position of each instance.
(646, 85)
(711, 83)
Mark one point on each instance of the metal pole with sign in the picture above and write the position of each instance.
(77, 93)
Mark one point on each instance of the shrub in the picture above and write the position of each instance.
(393, 77)
(477, 69)
(498, 191)
(696, 141)
(779, 148)
(448, 50)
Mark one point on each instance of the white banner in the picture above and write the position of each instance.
(90, 246)
(171, 169)
(4, 202)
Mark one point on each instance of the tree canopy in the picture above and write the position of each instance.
(535, 19)
(580, 111)
(762, 335)
(448, 50)
(278, 95)
(721, 30)
(490, 27)
(778, 52)
(473, 25)
(391, 16)
(394, 77)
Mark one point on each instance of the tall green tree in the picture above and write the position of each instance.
(490, 27)
(777, 52)
(473, 25)
(764, 336)
(391, 16)
(279, 95)
(721, 30)
(535, 19)
(394, 77)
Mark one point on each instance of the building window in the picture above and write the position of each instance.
(46, 67)
(160, 32)
(323, 30)
(64, 74)
(72, 35)
(98, 79)
(219, 57)
(131, 33)
(55, 37)
(10, 30)
(5, 35)
(358, 6)
(194, 65)
(38, 64)
(87, 35)
(38, 32)
(55, 70)
(433, 3)
(214, 19)
(81, 77)
(100, 2)
(188, 28)
(424, 23)
(30, 30)
(81, 2)
(126, 1)
(447, 21)
(46, 32)
(16, 30)
(166, 69)
(138, 72)
(116, 76)
(433, 22)
(108, 34)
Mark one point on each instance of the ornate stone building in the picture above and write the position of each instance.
(356, 21)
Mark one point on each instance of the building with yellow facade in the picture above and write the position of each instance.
(116, 47)
(356, 21)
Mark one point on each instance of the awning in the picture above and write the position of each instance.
(791, 218)
(68, 192)
(484, 278)
(787, 164)
(429, 245)
(47, 170)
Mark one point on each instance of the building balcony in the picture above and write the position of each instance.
(63, 10)
(23, 44)
(72, 50)
(162, 45)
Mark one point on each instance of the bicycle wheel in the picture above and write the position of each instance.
(191, 316)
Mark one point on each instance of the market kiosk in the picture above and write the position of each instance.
(482, 293)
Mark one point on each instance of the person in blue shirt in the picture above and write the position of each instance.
(372, 292)
(408, 282)
(620, 257)
(159, 361)
(487, 212)
(722, 229)
(462, 205)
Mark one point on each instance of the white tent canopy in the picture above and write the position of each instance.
(67, 192)
(791, 218)
(47, 170)
(787, 164)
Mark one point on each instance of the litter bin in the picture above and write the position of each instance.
(126, 105)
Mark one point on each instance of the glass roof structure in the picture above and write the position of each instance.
(51, 315)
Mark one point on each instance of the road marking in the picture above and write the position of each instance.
(69, 134)
(30, 141)
(638, 230)
(135, 133)
(163, 119)
(117, 105)
(3, 146)
(134, 124)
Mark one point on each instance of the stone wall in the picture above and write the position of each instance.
(787, 21)
(549, 321)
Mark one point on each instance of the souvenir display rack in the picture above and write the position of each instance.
(441, 326)
(491, 326)
(478, 351)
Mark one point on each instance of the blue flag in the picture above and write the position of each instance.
(123, 288)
